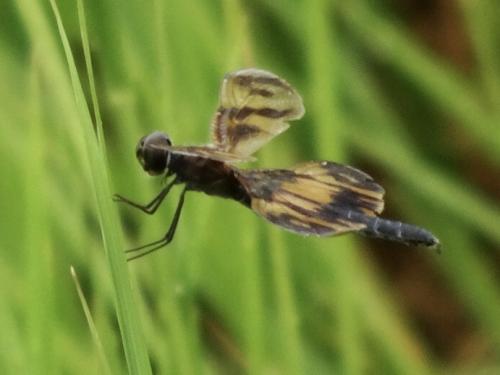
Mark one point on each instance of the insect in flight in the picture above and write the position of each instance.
(320, 198)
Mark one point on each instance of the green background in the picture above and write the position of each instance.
(407, 91)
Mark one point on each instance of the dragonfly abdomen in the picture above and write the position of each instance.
(398, 231)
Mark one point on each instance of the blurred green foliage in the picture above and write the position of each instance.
(233, 294)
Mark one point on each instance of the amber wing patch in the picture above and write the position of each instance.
(320, 198)
(254, 107)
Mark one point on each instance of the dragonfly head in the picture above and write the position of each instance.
(153, 153)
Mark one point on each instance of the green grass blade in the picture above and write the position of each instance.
(90, 321)
(90, 73)
(128, 318)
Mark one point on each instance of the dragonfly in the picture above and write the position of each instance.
(320, 198)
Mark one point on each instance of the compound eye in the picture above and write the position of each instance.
(152, 153)
(139, 151)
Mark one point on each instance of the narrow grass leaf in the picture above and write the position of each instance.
(90, 322)
(128, 318)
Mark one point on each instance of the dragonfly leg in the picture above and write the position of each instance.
(166, 239)
(151, 207)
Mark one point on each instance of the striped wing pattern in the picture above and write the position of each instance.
(254, 107)
(318, 198)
